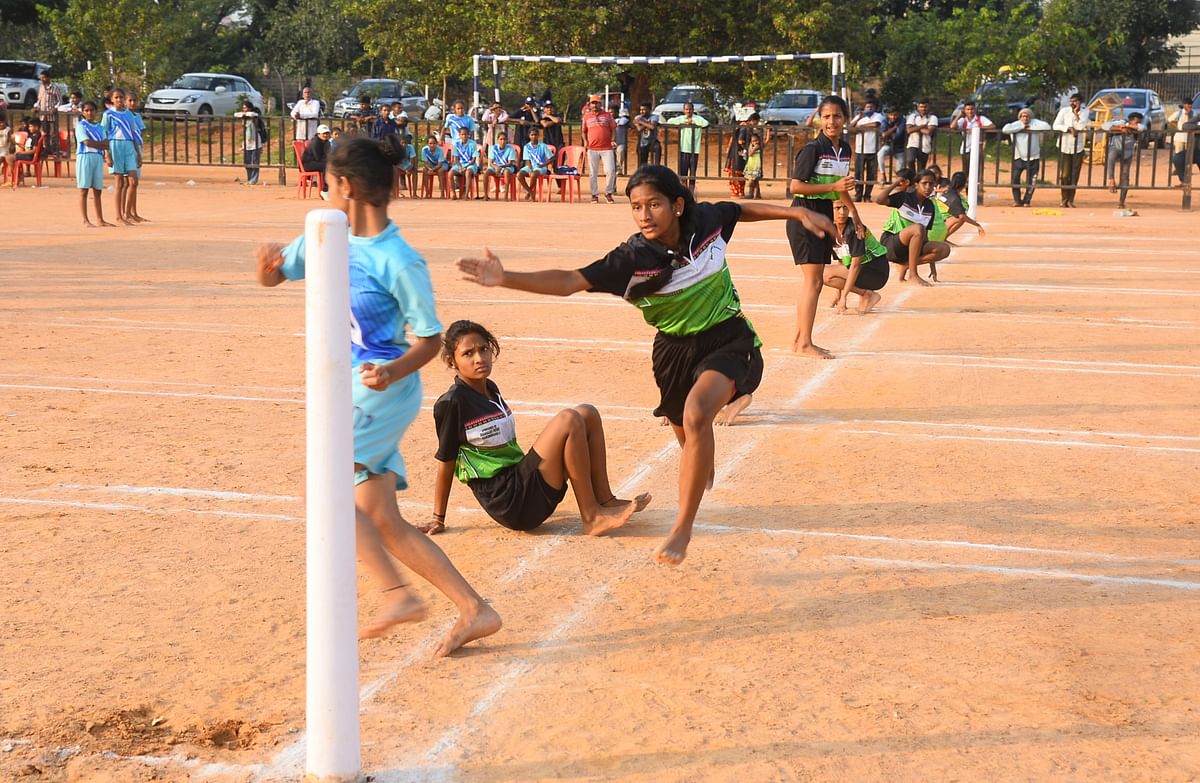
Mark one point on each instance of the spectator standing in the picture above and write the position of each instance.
(458, 118)
(1124, 138)
(8, 150)
(622, 119)
(921, 127)
(691, 136)
(383, 125)
(1026, 135)
(1183, 122)
(551, 122)
(971, 119)
(599, 132)
(253, 132)
(306, 112)
(865, 125)
(525, 119)
(73, 108)
(649, 148)
(364, 117)
(49, 97)
(1071, 123)
(494, 119)
(894, 136)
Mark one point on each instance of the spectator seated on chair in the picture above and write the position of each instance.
(406, 171)
(502, 164)
(316, 154)
(538, 158)
(465, 171)
(32, 134)
(433, 166)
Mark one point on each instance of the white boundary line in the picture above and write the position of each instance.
(1026, 441)
(1023, 360)
(1056, 289)
(1046, 573)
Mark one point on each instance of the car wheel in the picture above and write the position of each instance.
(30, 99)
(204, 113)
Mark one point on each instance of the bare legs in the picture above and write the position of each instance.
(382, 531)
(131, 212)
(806, 312)
(835, 278)
(83, 196)
(572, 447)
(710, 393)
(122, 190)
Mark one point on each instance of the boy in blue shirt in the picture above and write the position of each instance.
(91, 144)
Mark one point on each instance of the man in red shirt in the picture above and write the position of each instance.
(599, 129)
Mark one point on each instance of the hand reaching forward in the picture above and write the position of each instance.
(816, 223)
(486, 271)
(268, 259)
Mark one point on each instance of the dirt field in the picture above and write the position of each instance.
(964, 550)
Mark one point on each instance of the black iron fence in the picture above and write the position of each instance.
(1156, 164)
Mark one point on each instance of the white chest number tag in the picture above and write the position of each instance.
(355, 331)
(914, 216)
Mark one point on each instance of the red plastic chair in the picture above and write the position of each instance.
(568, 156)
(308, 179)
(540, 192)
(33, 166)
(60, 158)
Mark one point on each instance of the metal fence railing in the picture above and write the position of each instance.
(1155, 165)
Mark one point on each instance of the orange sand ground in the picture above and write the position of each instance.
(965, 550)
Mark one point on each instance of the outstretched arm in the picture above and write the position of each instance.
(269, 261)
(488, 271)
(813, 222)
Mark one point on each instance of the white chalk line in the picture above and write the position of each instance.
(1026, 441)
(1050, 288)
(1047, 573)
(17, 501)
(1025, 360)
(187, 492)
(945, 544)
(1095, 268)
(1054, 320)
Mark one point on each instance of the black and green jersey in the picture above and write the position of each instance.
(821, 162)
(868, 248)
(477, 432)
(700, 293)
(908, 208)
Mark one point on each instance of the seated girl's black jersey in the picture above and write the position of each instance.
(477, 432)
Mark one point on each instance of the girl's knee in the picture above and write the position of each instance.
(571, 419)
(589, 412)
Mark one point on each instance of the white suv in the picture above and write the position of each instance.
(203, 94)
(791, 107)
(19, 80)
(697, 95)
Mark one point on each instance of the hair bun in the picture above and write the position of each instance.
(393, 149)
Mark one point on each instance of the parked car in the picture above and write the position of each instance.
(1000, 101)
(791, 107)
(203, 94)
(1120, 102)
(698, 95)
(19, 80)
(385, 91)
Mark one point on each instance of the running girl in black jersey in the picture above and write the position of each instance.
(706, 353)
(821, 176)
(477, 442)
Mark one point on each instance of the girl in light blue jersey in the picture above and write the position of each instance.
(389, 290)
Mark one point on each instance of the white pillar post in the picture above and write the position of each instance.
(474, 85)
(333, 747)
(973, 174)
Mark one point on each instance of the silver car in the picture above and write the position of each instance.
(382, 92)
(203, 94)
(791, 107)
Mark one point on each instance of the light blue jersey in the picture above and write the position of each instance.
(389, 289)
(432, 157)
(537, 155)
(465, 154)
(454, 122)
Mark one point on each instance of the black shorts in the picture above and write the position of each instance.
(872, 276)
(729, 348)
(897, 252)
(809, 248)
(518, 497)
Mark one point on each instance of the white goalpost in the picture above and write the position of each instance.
(837, 64)
(333, 752)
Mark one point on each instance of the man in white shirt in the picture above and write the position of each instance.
(1026, 135)
(1071, 123)
(306, 112)
(1182, 121)
(865, 126)
(921, 127)
(972, 119)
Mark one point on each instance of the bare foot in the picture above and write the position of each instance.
(126, 222)
(89, 224)
(476, 624)
(608, 518)
(868, 304)
(106, 224)
(139, 219)
(810, 350)
(674, 549)
(432, 527)
(731, 411)
(664, 422)
(404, 608)
(639, 503)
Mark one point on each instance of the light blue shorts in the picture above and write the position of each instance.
(533, 170)
(124, 157)
(471, 167)
(380, 421)
(89, 171)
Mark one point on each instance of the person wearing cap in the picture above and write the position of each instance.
(551, 123)
(316, 153)
(599, 129)
(524, 119)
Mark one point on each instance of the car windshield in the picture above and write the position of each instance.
(684, 94)
(18, 70)
(1128, 98)
(372, 89)
(793, 100)
(190, 82)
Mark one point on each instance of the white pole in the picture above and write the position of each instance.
(474, 83)
(973, 174)
(332, 711)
